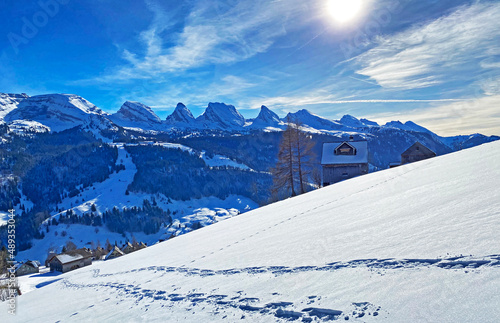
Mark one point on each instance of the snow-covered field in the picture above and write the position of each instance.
(416, 243)
(4, 218)
(111, 193)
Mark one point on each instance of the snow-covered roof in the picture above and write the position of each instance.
(65, 258)
(329, 158)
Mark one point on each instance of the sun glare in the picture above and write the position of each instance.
(344, 10)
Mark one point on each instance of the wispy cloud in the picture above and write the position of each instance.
(475, 116)
(302, 101)
(454, 47)
(227, 86)
(213, 32)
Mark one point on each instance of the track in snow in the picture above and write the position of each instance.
(240, 301)
(224, 304)
(462, 262)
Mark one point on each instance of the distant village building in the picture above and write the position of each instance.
(98, 253)
(344, 160)
(128, 248)
(415, 153)
(140, 245)
(114, 253)
(28, 267)
(71, 260)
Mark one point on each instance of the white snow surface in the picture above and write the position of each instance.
(9, 102)
(4, 218)
(416, 243)
(221, 161)
(22, 127)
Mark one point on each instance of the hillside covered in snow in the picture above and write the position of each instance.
(416, 243)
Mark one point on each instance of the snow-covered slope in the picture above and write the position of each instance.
(266, 118)
(416, 243)
(136, 114)
(22, 127)
(221, 116)
(9, 102)
(181, 116)
(408, 126)
(56, 111)
(350, 121)
(308, 119)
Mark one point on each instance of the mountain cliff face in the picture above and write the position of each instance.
(350, 121)
(9, 102)
(221, 116)
(181, 116)
(306, 118)
(56, 111)
(135, 114)
(266, 118)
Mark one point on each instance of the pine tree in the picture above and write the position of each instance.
(295, 158)
(283, 172)
(304, 155)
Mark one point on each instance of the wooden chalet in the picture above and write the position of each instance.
(344, 160)
(114, 253)
(415, 153)
(128, 248)
(27, 268)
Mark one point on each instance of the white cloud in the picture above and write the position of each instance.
(481, 115)
(454, 47)
(214, 32)
(311, 99)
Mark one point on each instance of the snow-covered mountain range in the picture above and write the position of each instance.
(57, 112)
(417, 243)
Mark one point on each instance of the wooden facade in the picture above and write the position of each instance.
(416, 153)
(344, 160)
(128, 248)
(27, 268)
(71, 260)
(114, 253)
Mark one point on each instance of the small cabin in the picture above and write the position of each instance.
(344, 160)
(128, 248)
(27, 268)
(416, 153)
(114, 253)
(66, 262)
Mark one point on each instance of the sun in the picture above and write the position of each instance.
(344, 10)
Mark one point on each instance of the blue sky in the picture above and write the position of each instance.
(435, 62)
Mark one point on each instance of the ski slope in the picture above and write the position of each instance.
(416, 243)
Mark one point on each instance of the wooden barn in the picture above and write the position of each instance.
(28, 267)
(65, 262)
(415, 153)
(344, 160)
